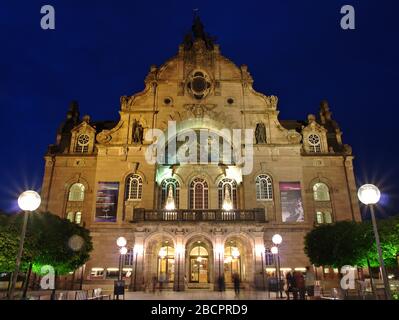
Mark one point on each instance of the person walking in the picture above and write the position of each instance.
(300, 284)
(236, 281)
(309, 282)
(290, 285)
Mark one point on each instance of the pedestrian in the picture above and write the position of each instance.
(309, 282)
(290, 284)
(236, 280)
(221, 284)
(154, 283)
(300, 284)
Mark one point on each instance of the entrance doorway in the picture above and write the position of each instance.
(232, 261)
(199, 264)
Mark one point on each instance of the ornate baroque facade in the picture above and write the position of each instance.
(97, 175)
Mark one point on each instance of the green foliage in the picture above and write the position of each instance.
(47, 243)
(352, 243)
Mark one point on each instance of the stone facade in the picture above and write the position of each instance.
(200, 89)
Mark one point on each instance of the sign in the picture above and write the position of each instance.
(291, 202)
(107, 201)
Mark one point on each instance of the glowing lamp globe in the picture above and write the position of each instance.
(123, 250)
(121, 241)
(29, 200)
(369, 194)
(277, 239)
(274, 250)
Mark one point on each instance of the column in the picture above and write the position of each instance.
(138, 280)
(180, 258)
(219, 261)
(259, 263)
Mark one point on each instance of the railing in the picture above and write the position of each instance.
(257, 215)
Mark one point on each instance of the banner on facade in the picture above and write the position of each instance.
(291, 202)
(107, 201)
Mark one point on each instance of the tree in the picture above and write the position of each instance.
(388, 230)
(352, 243)
(335, 245)
(50, 240)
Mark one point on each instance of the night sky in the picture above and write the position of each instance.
(101, 50)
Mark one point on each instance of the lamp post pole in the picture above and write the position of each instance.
(28, 201)
(19, 256)
(369, 195)
(380, 257)
(279, 275)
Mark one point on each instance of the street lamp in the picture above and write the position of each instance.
(121, 243)
(28, 201)
(369, 195)
(277, 240)
(137, 249)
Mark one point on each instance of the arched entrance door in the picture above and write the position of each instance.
(166, 263)
(199, 264)
(232, 261)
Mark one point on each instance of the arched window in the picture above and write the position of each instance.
(199, 264)
(321, 192)
(231, 185)
(166, 263)
(76, 192)
(71, 216)
(264, 187)
(323, 217)
(165, 185)
(198, 194)
(82, 143)
(314, 143)
(134, 187)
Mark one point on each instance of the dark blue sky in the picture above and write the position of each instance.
(294, 49)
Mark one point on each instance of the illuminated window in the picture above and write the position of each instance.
(82, 144)
(134, 187)
(165, 185)
(264, 187)
(71, 216)
(321, 192)
(166, 263)
(199, 194)
(76, 192)
(232, 261)
(231, 185)
(314, 143)
(323, 217)
(78, 217)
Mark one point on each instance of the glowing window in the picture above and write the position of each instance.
(321, 192)
(76, 192)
